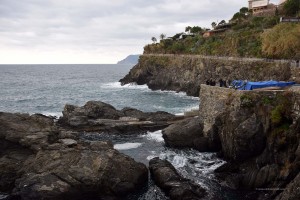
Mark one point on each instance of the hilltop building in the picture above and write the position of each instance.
(262, 7)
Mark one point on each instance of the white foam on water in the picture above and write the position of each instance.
(151, 157)
(126, 146)
(52, 114)
(117, 85)
(154, 136)
(179, 161)
(181, 94)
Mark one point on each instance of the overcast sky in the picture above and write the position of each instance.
(97, 31)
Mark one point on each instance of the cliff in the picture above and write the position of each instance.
(186, 72)
(258, 133)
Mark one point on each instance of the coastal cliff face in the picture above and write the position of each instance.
(186, 72)
(259, 133)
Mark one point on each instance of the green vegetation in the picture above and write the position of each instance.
(246, 101)
(244, 35)
(292, 7)
(283, 41)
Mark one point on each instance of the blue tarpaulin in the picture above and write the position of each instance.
(249, 85)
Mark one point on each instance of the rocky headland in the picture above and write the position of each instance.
(187, 72)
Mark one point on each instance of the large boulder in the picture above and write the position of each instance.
(242, 139)
(93, 169)
(187, 133)
(77, 116)
(100, 116)
(173, 184)
(34, 131)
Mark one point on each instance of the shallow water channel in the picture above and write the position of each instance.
(189, 163)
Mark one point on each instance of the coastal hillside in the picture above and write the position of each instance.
(245, 35)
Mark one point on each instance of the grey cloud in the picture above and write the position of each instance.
(88, 24)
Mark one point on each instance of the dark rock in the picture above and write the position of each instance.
(100, 116)
(247, 140)
(12, 157)
(98, 109)
(186, 134)
(227, 168)
(95, 168)
(292, 190)
(40, 161)
(33, 131)
(147, 116)
(174, 185)
(259, 178)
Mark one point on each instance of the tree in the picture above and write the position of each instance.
(244, 10)
(213, 24)
(196, 29)
(154, 40)
(162, 36)
(188, 29)
(222, 22)
(291, 7)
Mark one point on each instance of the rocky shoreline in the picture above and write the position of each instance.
(44, 159)
(256, 132)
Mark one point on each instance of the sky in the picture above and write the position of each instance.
(97, 31)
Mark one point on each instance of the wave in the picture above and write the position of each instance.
(117, 85)
(52, 114)
(126, 146)
(154, 136)
(180, 94)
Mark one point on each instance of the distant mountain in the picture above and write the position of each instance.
(131, 59)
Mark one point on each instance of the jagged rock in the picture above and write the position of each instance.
(12, 157)
(242, 139)
(100, 116)
(34, 131)
(186, 134)
(168, 179)
(98, 109)
(147, 116)
(40, 161)
(94, 169)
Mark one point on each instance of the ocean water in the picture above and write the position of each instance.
(47, 88)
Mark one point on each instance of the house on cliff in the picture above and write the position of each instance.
(262, 7)
(218, 29)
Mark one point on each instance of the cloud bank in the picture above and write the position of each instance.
(97, 31)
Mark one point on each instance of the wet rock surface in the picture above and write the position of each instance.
(187, 133)
(174, 185)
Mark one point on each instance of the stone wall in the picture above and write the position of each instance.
(214, 101)
(217, 100)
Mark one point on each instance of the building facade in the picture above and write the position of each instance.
(262, 7)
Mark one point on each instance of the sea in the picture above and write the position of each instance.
(46, 89)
